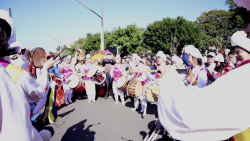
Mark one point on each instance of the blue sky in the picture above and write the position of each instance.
(34, 19)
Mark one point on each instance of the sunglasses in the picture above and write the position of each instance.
(209, 56)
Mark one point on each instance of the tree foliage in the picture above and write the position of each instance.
(129, 39)
(239, 16)
(216, 25)
(171, 35)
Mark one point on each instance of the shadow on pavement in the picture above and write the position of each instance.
(129, 104)
(143, 134)
(152, 109)
(66, 113)
(78, 132)
(126, 139)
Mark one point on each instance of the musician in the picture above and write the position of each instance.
(197, 71)
(67, 69)
(116, 72)
(57, 76)
(89, 83)
(161, 60)
(176, 103)
(80, 93)
(142, 77)
(18, 91)
(108, 62)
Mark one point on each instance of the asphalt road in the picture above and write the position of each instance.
(102, 121)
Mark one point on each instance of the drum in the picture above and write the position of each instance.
(99, 78)
(122, 83)
(134, 88)
(38, 57)
(75, 81)
(150, 91)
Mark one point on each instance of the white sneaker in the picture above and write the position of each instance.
(66, 103)
(123, 103)
(94, 101)
(70, 101)
(116, 102)
(89, 100)
(133, 109)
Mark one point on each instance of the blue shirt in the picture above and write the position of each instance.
(153, 68)
(56, 71)
(185, 59)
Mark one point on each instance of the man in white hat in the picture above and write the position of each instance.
(176, 103)
(210, 61)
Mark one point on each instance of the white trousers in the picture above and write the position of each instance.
(90, 89)
(67, 92)
(117, 92)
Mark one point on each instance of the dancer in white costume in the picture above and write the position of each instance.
(116, 72)
(142, 77)
(89, 83)
(67, 69)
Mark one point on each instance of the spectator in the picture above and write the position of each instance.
(210, 61)
(231, 59)
(154, 66)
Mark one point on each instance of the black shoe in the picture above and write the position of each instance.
(106, 96)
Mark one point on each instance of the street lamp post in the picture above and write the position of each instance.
(102, 32)
(56, 40)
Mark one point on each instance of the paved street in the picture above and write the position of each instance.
(102, 121)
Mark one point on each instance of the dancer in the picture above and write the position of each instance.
(142, 77)
(67, 69)
(116, 72)
(89, 83)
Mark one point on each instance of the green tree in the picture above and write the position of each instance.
(129, 39)
(239, 16)
(216, 25)
(171, 35)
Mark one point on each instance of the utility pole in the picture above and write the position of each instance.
(102, 32)
(57, 40)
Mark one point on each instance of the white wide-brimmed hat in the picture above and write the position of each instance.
(162, 55)
(239, 39)
(88, 56)
(195, 52)
(219, 58)
(177, 60)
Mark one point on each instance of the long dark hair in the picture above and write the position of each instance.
(5, 32)
(219, 68)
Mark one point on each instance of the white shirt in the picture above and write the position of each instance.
(15, 124)
(32, 89)
(21, 62)
(202, 78)
(209, 114)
